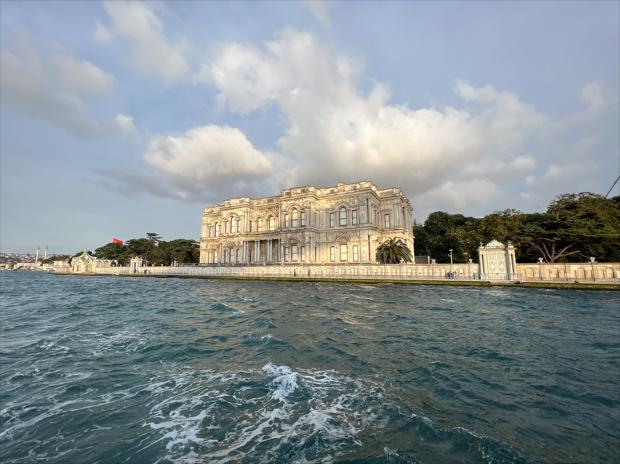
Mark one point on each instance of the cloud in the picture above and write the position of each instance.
(125, 123)
(565, 172)
(453, 155)
(210, 159)
(457, 196)
(151, 52)
(595, 96)
(320, 10)
(330, 124)
(50, 85)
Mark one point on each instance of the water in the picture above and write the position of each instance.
(110, 370)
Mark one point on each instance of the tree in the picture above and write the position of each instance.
(153, 237)
(51, 259)
(393, 251)
(114, 251)
(574, 226)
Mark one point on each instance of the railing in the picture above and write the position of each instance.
(462, 272)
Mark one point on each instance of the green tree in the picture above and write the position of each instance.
(393, 251)
(575, 226)
(113, 251)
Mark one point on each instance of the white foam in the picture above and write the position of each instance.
(285, 381)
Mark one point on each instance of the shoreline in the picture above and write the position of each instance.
(454, 283)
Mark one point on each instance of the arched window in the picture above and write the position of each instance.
(259, 224)
(225, 227)
(238, 225)
(286, 221)
(295, 218)
(272, 223)
(343, 216)
(303, 218)
(218, 229)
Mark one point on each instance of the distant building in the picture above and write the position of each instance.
(88, 264)
(341, 224)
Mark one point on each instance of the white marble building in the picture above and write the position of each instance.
(341, 224)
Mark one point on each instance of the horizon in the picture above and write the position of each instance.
(119, 118)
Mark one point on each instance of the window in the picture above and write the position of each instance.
(303, 253)
(332, 253)
(250, 226)
(259, 225)
(272, 223)
(331, 220)
(343, 252)
(295, 218)
(238, 255)
(404, 224)
(386, 221)
(286, 223)
(225, 227)
(356, 256)
(238, 225)
(295, 253)
(218, 229)
(285, 254)
(354, 217)
(342, 216)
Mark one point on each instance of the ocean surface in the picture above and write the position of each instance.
(143, 370)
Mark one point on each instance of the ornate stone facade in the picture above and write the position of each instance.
(341, 224)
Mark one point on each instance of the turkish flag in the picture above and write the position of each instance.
(117, 241)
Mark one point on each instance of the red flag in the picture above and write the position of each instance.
(117, 241)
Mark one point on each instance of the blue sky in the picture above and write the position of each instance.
(121, 118)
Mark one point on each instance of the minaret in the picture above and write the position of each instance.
(36, 258)
(45, 255)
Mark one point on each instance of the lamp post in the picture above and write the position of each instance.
(450, 262)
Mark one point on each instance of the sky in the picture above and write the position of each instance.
(121, 118)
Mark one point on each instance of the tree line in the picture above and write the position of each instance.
(152, 248)
(574, 227)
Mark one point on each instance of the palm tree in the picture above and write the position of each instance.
(393, 251)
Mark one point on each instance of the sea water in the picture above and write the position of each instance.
(143, 370)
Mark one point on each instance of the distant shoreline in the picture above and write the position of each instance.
(455, 283)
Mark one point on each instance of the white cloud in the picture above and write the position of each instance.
(320, 10)
(151, 52)
(594, 95)
(50, 85)
(81, 76)
(460, 155)
(209, 158)
(364, 136)
(125, 123)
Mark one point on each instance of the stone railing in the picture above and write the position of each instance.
(339, 271)
(570, 272)
(597, 272)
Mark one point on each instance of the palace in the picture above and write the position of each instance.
(341, 224)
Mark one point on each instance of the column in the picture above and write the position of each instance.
(269, 246)
(256, 252)
(245, 252)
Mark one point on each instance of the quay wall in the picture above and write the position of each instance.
(585, 272)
